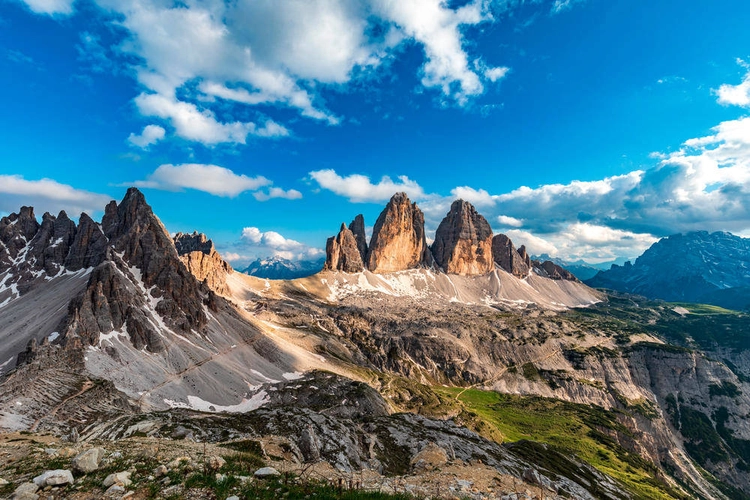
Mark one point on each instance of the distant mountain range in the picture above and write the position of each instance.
(711, 268)
(278, 268)
(580, 268)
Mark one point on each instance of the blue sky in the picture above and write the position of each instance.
(583, 129)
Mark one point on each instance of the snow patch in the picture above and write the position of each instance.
(292, 376)
(195, 403)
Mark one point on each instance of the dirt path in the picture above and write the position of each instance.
(88, 384)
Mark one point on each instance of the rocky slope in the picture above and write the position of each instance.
(703, 267)
(148, 331)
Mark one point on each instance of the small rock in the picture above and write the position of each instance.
(178, 462)
(220, 477)
(233, 497)
(3, 482)
(54, 478)
(50, 451)
(215, 462)
(160, 471)
(89, 460)
(170, 491)
(26, 491)
(244, 479)
(115, 490)
(66, 452)
(122, 478)
(266, 472)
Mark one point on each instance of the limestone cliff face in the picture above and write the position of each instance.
(463, 241)
(398, 239)
(357, 227)
(505, 255)
(343, 253)
(200, 257)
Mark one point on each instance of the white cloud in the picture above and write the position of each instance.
(275, 192)
(270, 243)
(233, 256)
(47, 195)
(51, 7)
(201, 126)
(151, 135)
(211, 179)
(563, 5)
(509, 221)
(736, 95)
(359, 188)
(477, 197)
(193, 58)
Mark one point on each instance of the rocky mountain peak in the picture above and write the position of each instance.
(398, 238)
(200, 257)
(549, 269)
(463, 241)
(88, 247)
(505, 255)
(342, 252)
(357, 227)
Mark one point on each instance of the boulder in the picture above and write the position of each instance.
(26, 491)
(463, 241)
(54, 478)
(89, 460)
(398, 238)
(215, 462)
(266, 472)
(121, 478)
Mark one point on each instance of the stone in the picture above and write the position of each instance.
(266, 472)
(215, 462)
(160, 471)
(233, 497)
(26, 491)
(463, 241)
(430, 457)
(398, 238)
(89, 460)
(115, 490)
(3, 482)
(66, 452)
(122, 478)
(56, 477)
(177, 462)
(505, 255)
(342, 253)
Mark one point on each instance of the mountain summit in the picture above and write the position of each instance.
(712, 268)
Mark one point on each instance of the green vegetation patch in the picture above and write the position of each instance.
(587, 432)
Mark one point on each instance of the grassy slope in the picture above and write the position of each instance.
(568, 428)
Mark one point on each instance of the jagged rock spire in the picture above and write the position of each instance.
(342, 252)
(505, 255)
(398, 238)
(463, 241)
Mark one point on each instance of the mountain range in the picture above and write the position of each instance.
(279, 268)
(710, 268)
(396, 356)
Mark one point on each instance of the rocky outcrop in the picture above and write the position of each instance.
(463, 241)
(88, 247)
(140, 274)
(505, 255)
(50, 245)
(16, 230)
(200, 257)
(357, 227)
(342, 252)
(398, 238)
(549, 269)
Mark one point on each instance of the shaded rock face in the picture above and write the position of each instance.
(200, 257)
(398, 238)
(140, 268)
(505, 255)
(357, 227)
(463, 241)
(89, 245)
(549, 269)
(342, 252)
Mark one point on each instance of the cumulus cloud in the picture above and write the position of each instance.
(211, 179)
(47, 195)
(270, 243)
(506, 221)
(275, 192)
(192, 58)
(201, 125)
(151, 135)
(736, 95)
(359, 189)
